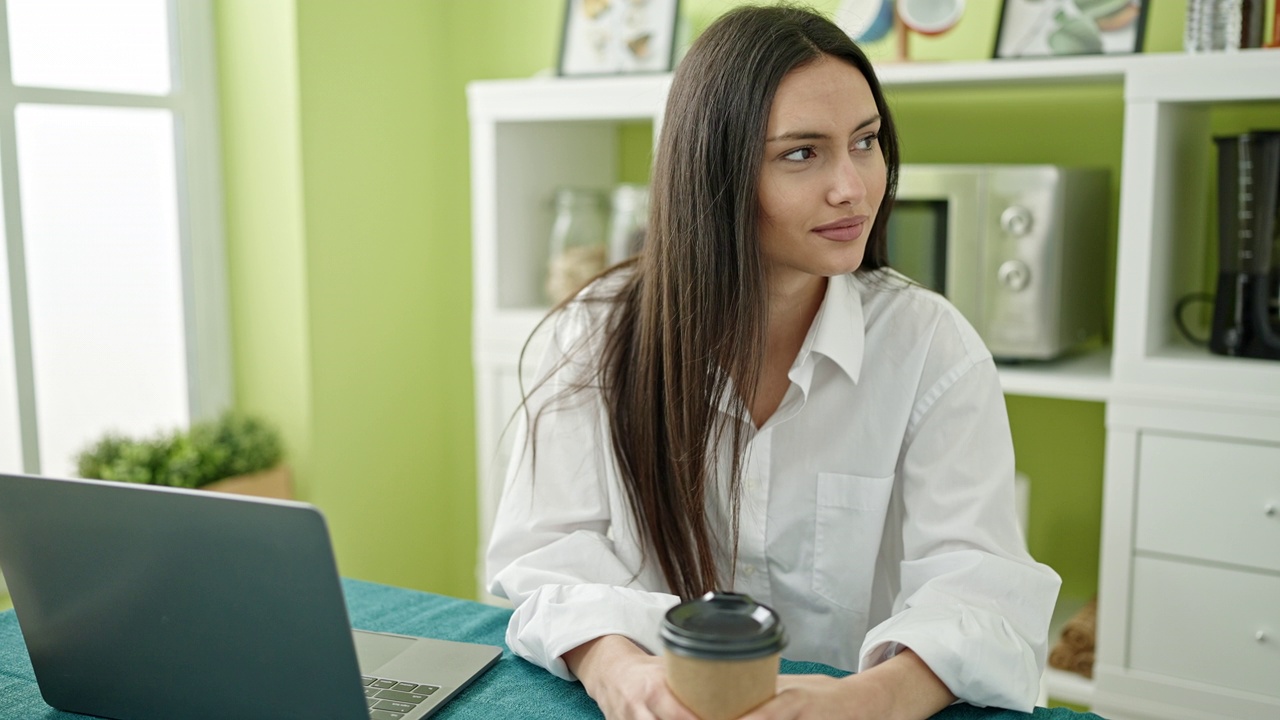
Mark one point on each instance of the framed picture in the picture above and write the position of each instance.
(609, 37)
(1050, 28)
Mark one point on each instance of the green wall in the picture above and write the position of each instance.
(350, 271)
(347, 188)
(262, 172)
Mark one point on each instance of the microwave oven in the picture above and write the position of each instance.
(1020, 250)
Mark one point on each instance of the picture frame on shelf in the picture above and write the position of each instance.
(618, 37)
(1059, 28)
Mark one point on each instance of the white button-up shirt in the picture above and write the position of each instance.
(877, 507)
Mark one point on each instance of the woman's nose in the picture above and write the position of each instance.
(847, 187)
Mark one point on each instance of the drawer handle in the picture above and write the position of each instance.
(1260, 636)
(1269, 509)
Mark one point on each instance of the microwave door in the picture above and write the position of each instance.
(918, 241)
(935, 234)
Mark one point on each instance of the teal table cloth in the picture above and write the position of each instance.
(511, 689)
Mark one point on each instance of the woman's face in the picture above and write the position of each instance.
(823, 175)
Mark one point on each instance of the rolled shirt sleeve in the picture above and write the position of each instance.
(552, 551)
(973, 604)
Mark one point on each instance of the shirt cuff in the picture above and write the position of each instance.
(558, 618)
(975, 653)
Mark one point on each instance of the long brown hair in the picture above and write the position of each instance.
(691, 315)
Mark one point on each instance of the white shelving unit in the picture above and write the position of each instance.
(1190, 568)
(529, 137)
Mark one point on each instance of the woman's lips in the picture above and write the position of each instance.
(843, 230)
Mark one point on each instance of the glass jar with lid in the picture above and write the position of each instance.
(578, 241)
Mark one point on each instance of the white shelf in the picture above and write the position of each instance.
(1247, 75)
(1086, 376)
(558, 99)
(1068, 687)
(1008, 72)
(1164, 76)
(503, 333)
(644, 96)
(1172, 76)
(1195, 375)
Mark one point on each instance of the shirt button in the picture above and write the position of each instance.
(749, 570)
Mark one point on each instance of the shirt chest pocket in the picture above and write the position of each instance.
(849, 524)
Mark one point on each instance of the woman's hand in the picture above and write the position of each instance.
(625, 681)
(902, 687)
(817, 697)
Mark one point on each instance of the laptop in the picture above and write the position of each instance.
(145, 602)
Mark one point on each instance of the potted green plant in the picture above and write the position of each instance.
(233, 453)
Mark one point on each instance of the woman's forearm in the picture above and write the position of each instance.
(624, 680)
(908, 689)
(594, 658)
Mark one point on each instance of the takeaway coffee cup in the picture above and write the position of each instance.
(722, 654)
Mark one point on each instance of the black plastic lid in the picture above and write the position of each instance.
(723, 626)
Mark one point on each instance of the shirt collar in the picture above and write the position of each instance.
(839, 332)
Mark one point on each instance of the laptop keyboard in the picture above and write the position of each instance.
(391, 699)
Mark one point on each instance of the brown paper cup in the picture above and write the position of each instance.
(722, 689)
(722, 654)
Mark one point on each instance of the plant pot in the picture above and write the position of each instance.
(274, 483)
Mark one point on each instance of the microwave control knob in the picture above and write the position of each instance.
(1014, 274)
(1016, 220)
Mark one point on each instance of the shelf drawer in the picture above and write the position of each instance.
(1206, 624)
(1209, 499)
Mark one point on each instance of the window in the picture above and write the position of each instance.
(112, 289)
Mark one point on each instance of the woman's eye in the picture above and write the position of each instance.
(866, 142)
(800, 154)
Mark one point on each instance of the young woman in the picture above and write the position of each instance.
(759, 404)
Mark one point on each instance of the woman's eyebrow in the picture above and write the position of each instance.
(799, 135)
(793, 135)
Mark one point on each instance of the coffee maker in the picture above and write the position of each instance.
(1246, 310)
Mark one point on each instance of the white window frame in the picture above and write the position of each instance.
(193, 101)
